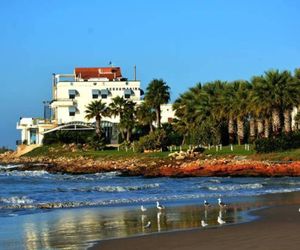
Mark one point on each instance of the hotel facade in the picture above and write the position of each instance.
(71, 93)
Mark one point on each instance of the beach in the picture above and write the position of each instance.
(104, 210)
(276, 228)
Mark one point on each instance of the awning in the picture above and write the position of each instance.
(104, 91)
(95, 91)
(72, 91)
(127, 92)
(72, 109)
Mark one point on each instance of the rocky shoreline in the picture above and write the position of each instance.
(150, 167)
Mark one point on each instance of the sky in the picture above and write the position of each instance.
(182, 42)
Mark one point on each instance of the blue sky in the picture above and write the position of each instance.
(183, 42)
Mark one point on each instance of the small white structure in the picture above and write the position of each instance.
(71, 94)
(32, 130)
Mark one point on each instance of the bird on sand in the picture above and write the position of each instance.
(203, 223)
(221, 203)
(159, 206)
(206, 204)
(148, 225)
(220, 221)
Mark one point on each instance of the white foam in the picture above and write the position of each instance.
(233, 187)
(26, 173)
(114, 189)
(16, 200)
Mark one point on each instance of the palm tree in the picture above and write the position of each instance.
(96, 109)
(116, 108)
(240, 106)
(261, 105)
(125, 109)
(145, 115)
(278, 92)
(291, 93)
(198, 111)
(127, 121)
(157, 93)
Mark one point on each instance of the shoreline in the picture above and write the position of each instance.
(166, 167)
(275, 227)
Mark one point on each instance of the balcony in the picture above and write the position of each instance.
(63, 102)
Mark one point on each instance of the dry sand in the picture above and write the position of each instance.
(277, 228)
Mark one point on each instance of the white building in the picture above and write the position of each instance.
(73, 92)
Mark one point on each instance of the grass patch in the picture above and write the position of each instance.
(55, 151)
(288, 155)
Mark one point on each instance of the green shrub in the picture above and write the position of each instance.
(173, 137)
(280, 143)
(67, 137)
(96, 142)
(154, 141)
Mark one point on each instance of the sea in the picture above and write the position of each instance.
(41, 210)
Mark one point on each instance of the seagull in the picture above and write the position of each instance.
(220, 221)
(159, 207)
(206, 204)
(148, 224)
(143, 209)
(203, 223)
(221, 203)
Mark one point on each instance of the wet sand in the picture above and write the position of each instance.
(277, 228)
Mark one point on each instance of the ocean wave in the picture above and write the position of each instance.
(7, 167)
(88, 177)
(108, 175)
(16, 200)
(111, 189)
(26, 173)
(214, 180)
(233, 187)
(282, 183)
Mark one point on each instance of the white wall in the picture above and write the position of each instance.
(167, 113)
(84, 97)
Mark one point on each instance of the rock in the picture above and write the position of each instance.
(180, 157)
(240, 157)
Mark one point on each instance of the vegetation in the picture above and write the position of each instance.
(58, 150)
(156, 140)
(157, 93)
(96, 109)
(280, 143)
(60, 136)
(251, 110)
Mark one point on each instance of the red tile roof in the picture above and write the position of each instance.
(101, 72)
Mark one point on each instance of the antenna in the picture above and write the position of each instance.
(135, 72)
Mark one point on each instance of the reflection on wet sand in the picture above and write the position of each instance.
(75, 228)
(62, 229)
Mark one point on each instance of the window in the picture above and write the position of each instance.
(72, 111)
(170, 119)
(95, 93)
(104, 93)
(127, 93)
(72, 93)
